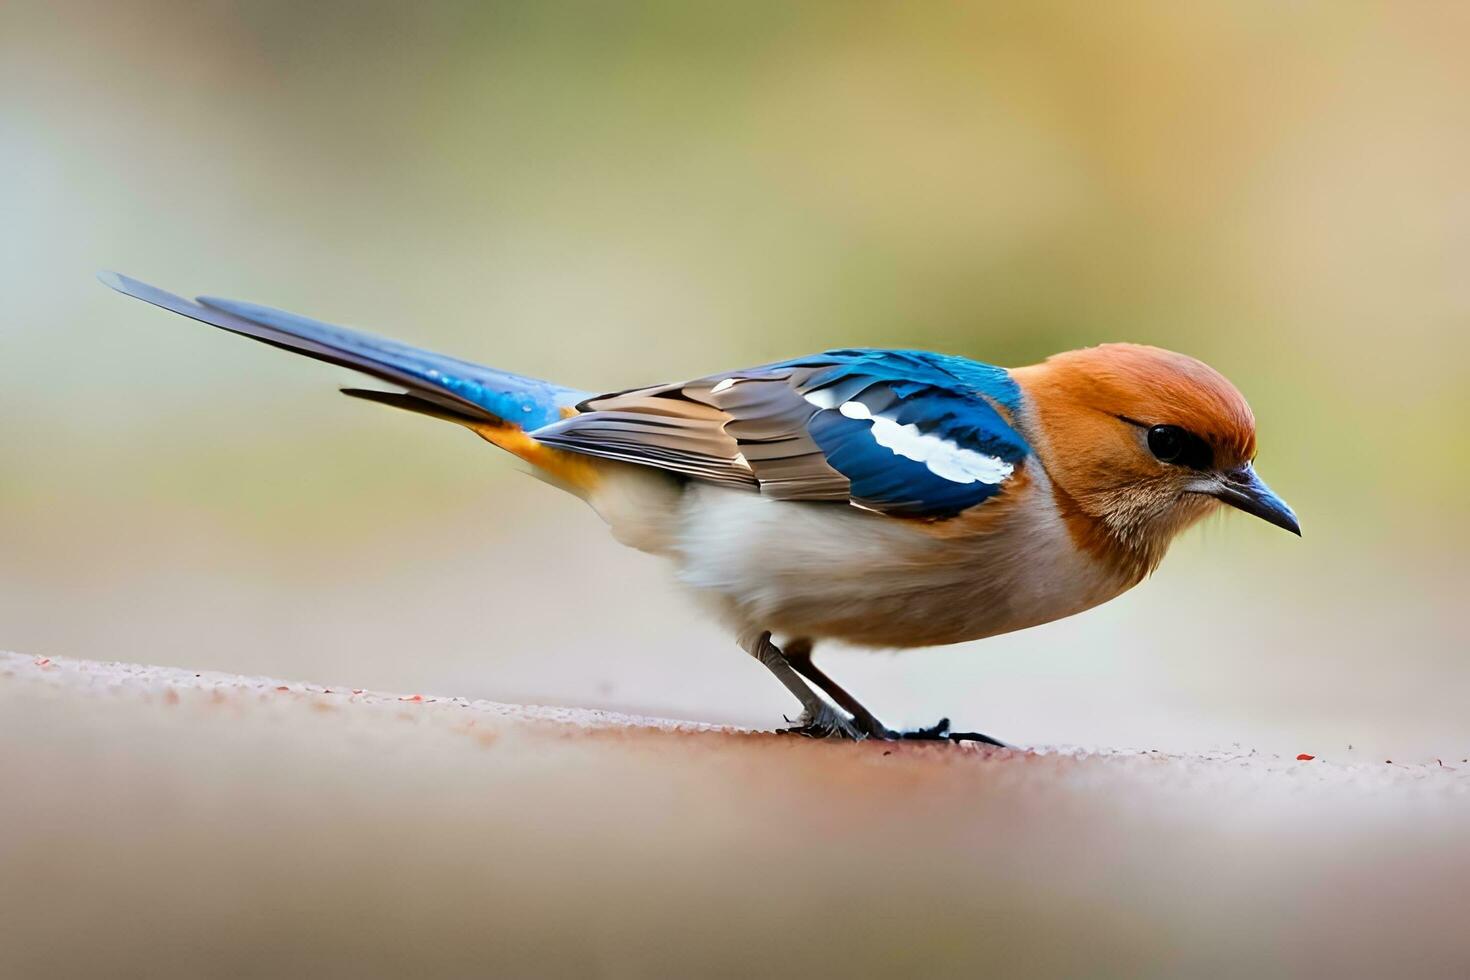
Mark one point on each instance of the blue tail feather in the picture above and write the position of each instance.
(480, 391)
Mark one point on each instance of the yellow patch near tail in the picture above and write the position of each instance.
(577, 473)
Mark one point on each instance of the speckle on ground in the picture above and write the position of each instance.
(162, 822)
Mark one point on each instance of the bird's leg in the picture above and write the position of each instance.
(818, 719)
(798, 654)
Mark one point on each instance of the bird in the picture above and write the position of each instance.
(881, 498)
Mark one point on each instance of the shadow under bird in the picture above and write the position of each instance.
(884, 498)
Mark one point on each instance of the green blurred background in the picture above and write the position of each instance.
(613, 194)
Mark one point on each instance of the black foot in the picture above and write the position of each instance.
(941, 733)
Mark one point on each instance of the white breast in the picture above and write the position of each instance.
(824, 570)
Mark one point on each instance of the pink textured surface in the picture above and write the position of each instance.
(166, 822)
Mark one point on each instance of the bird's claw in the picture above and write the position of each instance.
(933, 733)
(981, 737)
(831, 724)
(940, 733)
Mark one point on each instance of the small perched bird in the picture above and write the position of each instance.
(884, 498)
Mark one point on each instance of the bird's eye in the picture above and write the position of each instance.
(1166, 442)
(1171, 444)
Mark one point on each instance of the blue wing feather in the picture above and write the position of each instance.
(912, 370)
(887, 481)
(954, 398)
(942, 396)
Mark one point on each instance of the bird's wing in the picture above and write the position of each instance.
(898, 432)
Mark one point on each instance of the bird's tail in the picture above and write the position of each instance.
(500, 406)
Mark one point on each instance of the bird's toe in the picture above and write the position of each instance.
(940, 732)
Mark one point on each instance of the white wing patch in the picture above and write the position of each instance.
(822, 398)
(943, 458)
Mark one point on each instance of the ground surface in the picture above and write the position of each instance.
(161, 822)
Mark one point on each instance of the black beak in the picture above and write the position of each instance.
(1243, 490)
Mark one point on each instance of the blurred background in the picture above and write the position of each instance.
(611, 195)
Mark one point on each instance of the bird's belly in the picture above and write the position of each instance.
(830, 571)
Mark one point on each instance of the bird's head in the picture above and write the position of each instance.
(1143, 442)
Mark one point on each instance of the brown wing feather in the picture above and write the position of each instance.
(749, 432)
